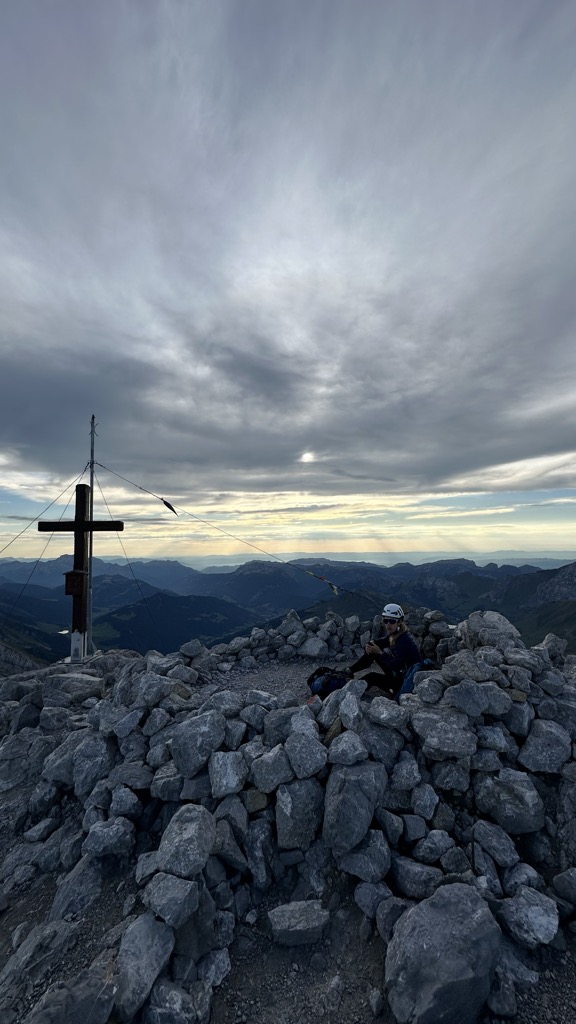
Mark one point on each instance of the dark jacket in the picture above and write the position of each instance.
(401, 656)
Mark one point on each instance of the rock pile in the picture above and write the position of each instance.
(454, 810)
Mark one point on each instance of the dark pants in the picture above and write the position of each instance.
(387, 680)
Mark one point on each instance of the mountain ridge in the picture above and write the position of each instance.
(258, 592)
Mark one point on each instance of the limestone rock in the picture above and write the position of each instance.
(440, 958)
(298, 923)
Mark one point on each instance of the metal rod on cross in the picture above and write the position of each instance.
(89, 644)
(77, 579)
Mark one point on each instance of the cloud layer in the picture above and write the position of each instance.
(242, 232)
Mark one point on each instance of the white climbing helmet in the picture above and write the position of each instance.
(392, 611)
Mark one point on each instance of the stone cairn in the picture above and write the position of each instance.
(454, 811)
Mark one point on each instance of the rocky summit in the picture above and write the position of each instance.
(179, 804)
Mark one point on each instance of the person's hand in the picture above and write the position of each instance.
(372, 648)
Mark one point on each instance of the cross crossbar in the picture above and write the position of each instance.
(84, 526)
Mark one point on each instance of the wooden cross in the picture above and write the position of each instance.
(77, 579)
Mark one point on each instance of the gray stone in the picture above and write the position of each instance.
(151, 688)
(227, 848)
(271, 770)
(128, 723)
(417, 881)
(427, 982)
(433, 846)
(171, 898)
(214, 967)
(58, 766)
(228, 702)
(232, 810)
(259, 849)
(455, 861)
(530, 917)
(519, 875)
(299, 807)
(192, 648)
(496, 842)
(347, 749)
(77, 890)
(350, 711)
(444, 733)
(465, 665)
(144, 951)
(530, 660)
(254, 715)
(386, 712)
(370, 860)
(113, 838)
(424, 800)
(502, 998)
(89, 997)
(235, 733)
(492, 737)
(552, 682)
(167, 783)
(352, 794)
(414, 827)
(298, 923)
(195, 739)
(38, 833)
(169, 1004)
(368, 895)
(467, 696)
(194, 939)
(392, 825)
(565, 885)
(387, 914)
(429, 690)
(382, 743)
(485, 869)
(307, 755)
(278, 725)
(36, 958)
(406, 773)
(512, 801)
(519, 718)
(125, 803)
(547, 747)
(498, 701)
(228, 772)
(485, 760)
(314, 648)
(187, 842)
(451, 776)
(198, 788)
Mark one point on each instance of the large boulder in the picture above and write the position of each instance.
(440, 959)
(352, 795)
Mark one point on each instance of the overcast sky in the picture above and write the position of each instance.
(310, 263)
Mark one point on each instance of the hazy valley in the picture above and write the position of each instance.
(161, 603)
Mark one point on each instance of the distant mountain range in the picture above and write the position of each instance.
(162, 603)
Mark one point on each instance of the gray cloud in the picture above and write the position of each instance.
(241, 232)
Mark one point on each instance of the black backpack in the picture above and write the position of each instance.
(324, 681)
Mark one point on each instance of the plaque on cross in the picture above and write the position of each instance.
(77, 580)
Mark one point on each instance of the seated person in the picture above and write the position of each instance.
(393, 653)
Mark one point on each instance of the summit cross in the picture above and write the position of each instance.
(77, 579)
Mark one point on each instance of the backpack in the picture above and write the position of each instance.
(408, 684)
(324, 681)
